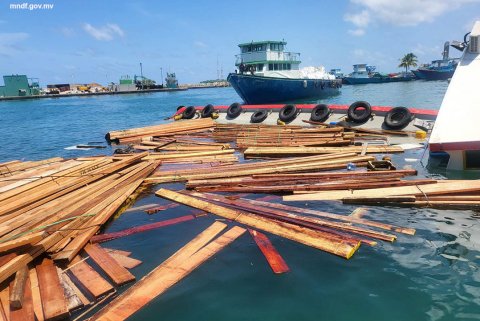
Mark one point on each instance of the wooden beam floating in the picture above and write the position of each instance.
(274, 259)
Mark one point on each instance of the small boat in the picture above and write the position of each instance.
(268, 74)
(456, 133)
(365, 74)
(442, 69)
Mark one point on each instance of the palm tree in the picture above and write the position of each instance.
(409, 60)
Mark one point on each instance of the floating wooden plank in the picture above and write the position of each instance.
(295, 151)
(329, 243)
(36, 297)
(53, 298)
(147, 227)
(442, 187)
(117, 273)
(166, 275)
(274, 259)
(18, 288)
(89, 279)
(125, 261)
(25, 313)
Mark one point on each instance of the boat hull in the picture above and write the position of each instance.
(264, 90)
(374, 80)
(427, 74)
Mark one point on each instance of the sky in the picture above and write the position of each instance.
(100, 41)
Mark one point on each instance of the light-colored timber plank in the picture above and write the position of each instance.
(125, 261)
(162, 278)
(442, 187)
(73, 301)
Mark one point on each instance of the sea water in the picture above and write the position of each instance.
(433, 275)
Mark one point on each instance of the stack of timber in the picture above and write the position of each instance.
(454, 194)
(164, 130)
(287, 165)
(271, 135)
(298, 182)
(49, 210)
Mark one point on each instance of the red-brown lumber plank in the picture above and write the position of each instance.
(51, 291)
(117, 273)
(274, 259)
(25, 313)
(137, 229)
(88, 279)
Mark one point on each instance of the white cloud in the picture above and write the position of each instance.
(361, 19)
(104, 33)
(407, 12)
(9, 42)
(357, 32)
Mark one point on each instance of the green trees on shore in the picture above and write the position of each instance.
(409, 60)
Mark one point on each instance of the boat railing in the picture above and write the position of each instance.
(248, 57)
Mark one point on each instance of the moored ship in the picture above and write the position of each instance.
(266, 73)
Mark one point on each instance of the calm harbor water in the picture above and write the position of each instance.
(433, 275)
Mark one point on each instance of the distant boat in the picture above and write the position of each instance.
(365, 74)
(442, 69)
(456, 128)
(268, 74)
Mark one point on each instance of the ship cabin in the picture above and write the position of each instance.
(262, 56)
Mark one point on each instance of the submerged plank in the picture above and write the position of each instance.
(166, 275)
(125, 261)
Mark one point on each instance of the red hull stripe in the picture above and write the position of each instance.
(441, 147)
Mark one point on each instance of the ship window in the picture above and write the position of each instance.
(270, 66)
(260, 67)
(275, 66)
(472, 159)
(289, 66)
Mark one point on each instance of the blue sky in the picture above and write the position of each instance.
(98, 41)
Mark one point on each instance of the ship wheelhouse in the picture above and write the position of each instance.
(265, 56)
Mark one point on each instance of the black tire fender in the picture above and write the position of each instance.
(320, 113)
(359, 111)
(234, 110)
(398, 118)
(288, 113)
(207, 111)
(189, 112)
(259, 116)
